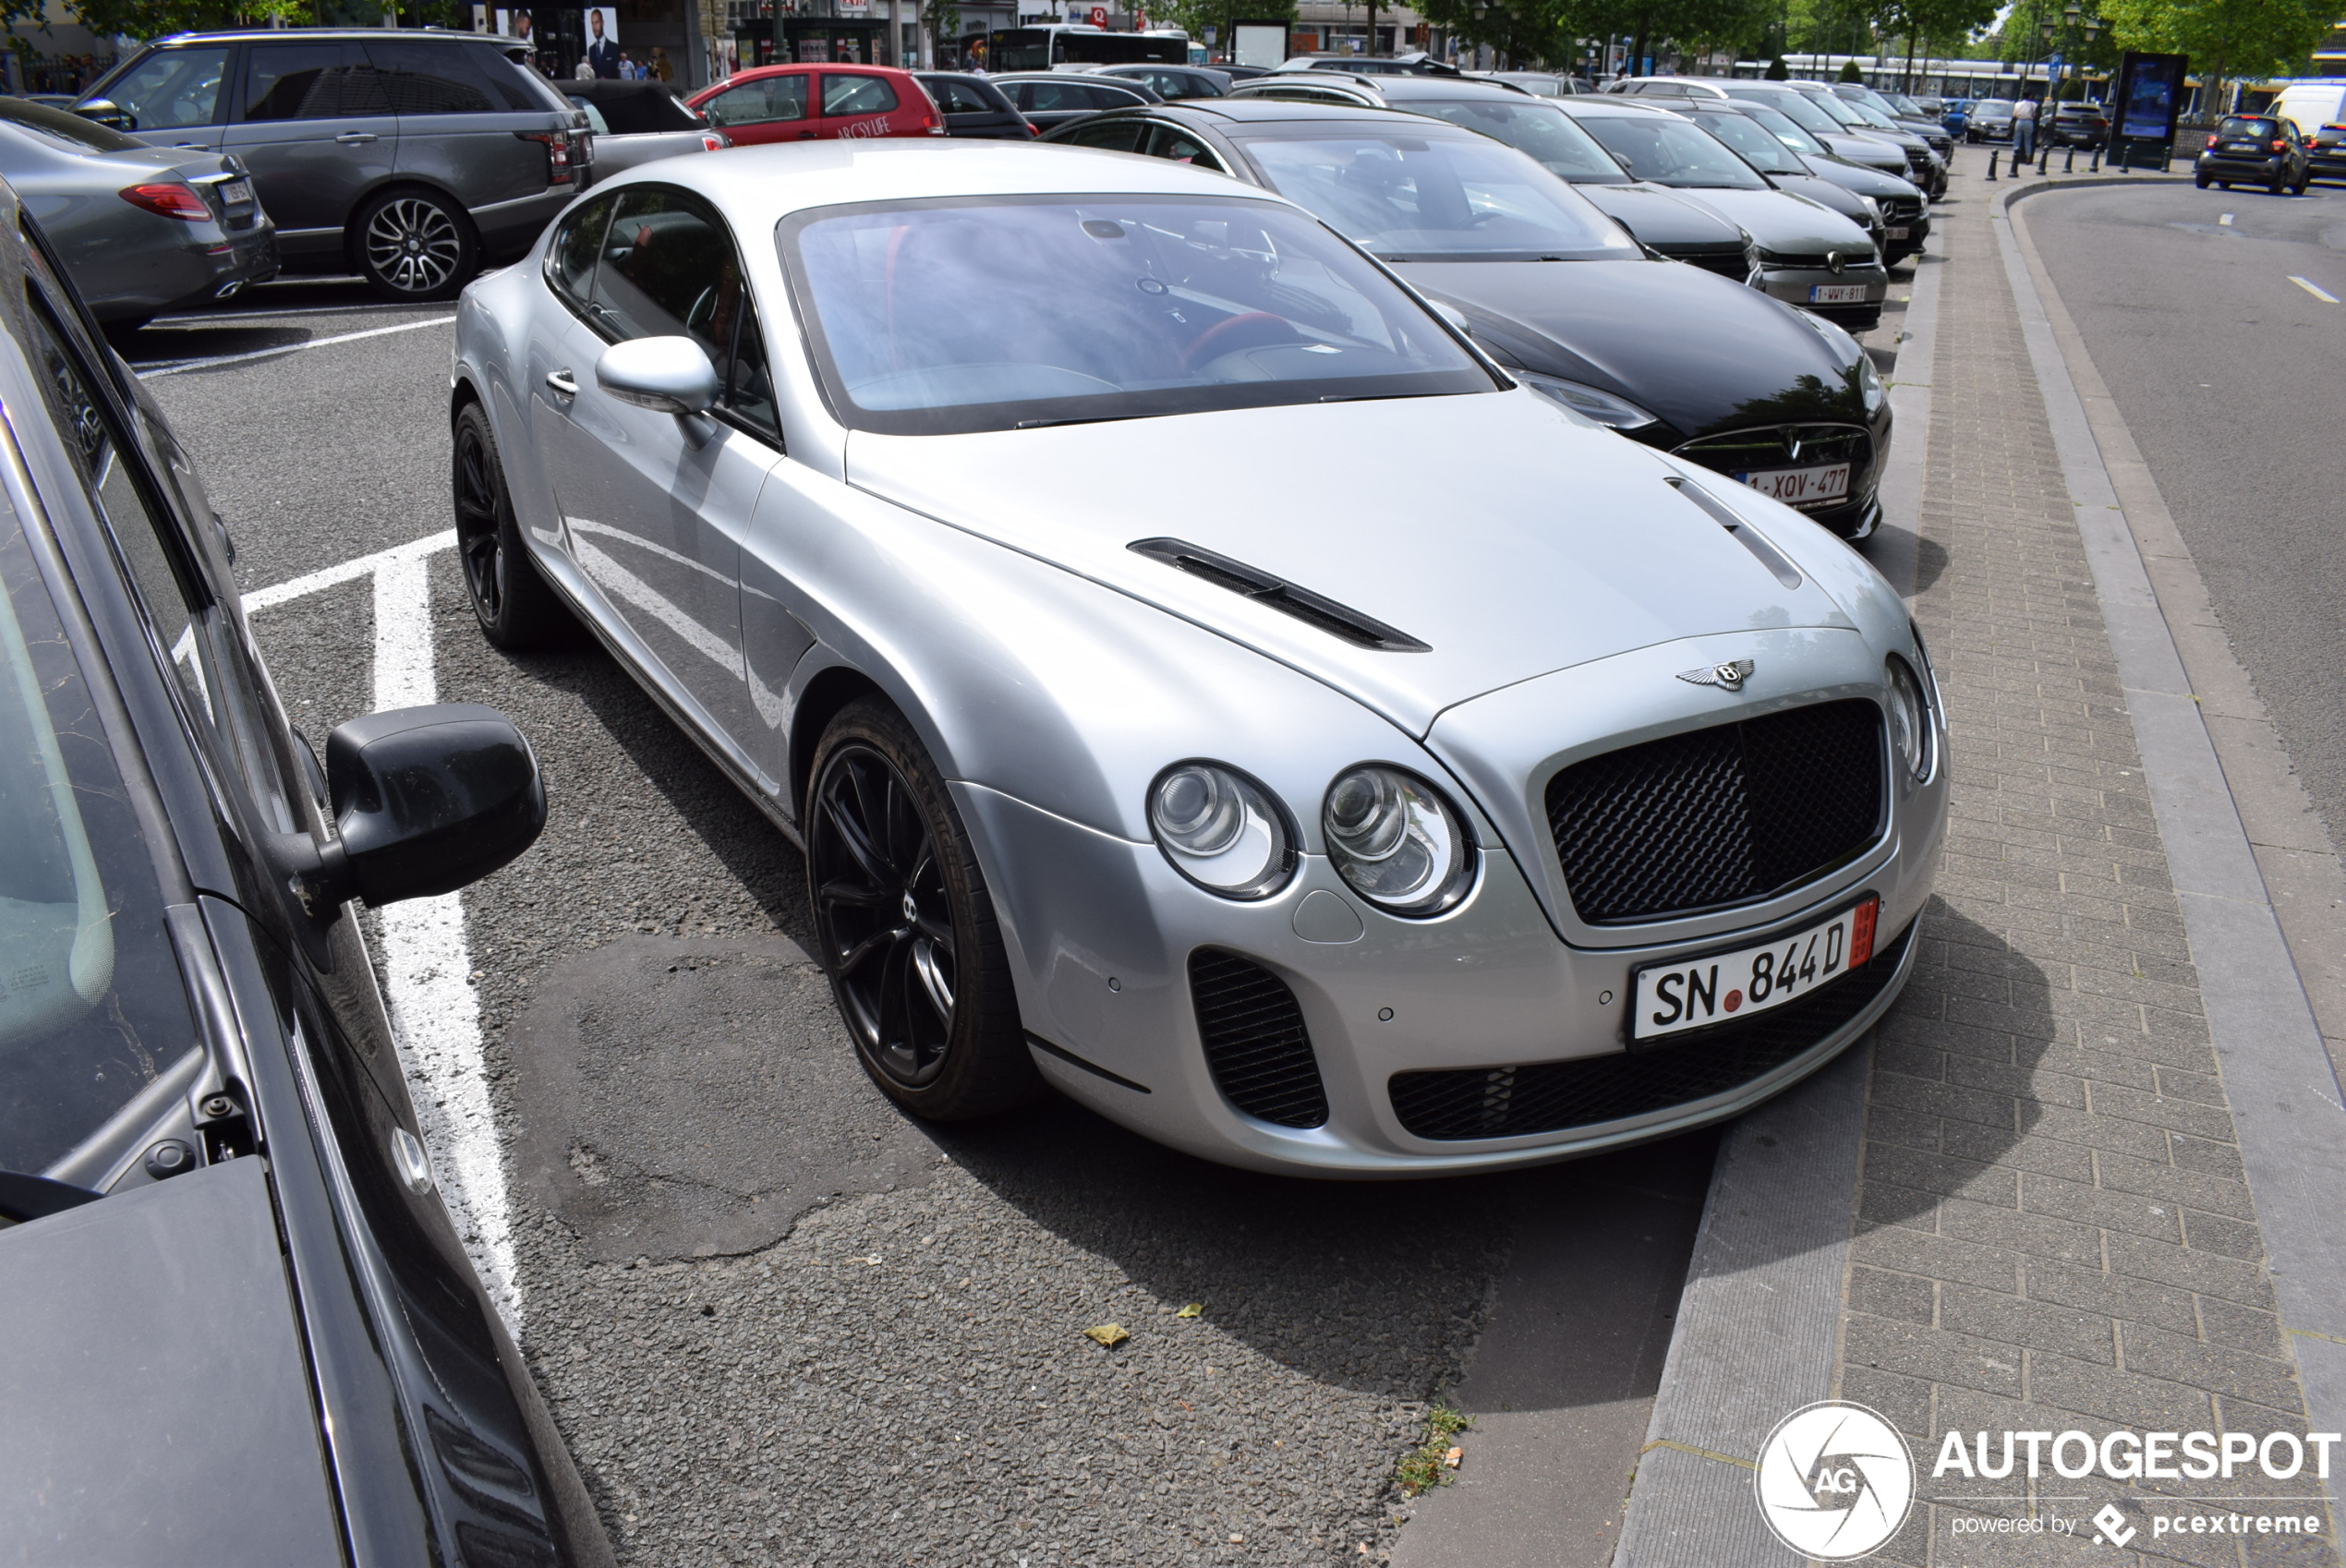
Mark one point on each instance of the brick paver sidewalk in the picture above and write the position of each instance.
(2053, 1232)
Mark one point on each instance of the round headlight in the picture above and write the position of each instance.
(1909, 720)
(1397, 842)
(1220, 830)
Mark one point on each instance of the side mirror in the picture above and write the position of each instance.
(427, 799)
(665, 375)
(107, 113)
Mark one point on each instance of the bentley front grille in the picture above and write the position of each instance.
(1766, 447)
(1256, 1045)
(1552, 1096)
(1724, 815)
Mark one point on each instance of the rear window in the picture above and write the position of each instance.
(2237, 126)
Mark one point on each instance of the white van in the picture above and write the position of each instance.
(2311, 104)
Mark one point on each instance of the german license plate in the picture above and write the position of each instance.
(1898, 233)
(1796, 486)
(236, 193)
(1673, 997)
(1837, 294)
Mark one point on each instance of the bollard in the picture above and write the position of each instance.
(2044, 161)
(2094, 165)
(2068, 163)
(1991, 162)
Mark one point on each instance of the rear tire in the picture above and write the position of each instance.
(414, 247)
(515, 607)
(905, 927)
(2203, 182)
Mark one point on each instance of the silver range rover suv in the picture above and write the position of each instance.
(410, 158)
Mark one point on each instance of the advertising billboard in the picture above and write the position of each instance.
(2148, 95)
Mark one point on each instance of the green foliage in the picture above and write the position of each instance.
(1778, 70)
(154, 18)
(1194, 16)
(1849, 72)
(1430, 1464)
(2226, 39)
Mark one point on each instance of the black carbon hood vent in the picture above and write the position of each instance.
(1277, 592)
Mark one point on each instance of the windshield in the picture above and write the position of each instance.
(1992, 106)
(1867, 114)
(1752, 142)
(1672, 151)
(1798, 107)
(1842, 115)
(92, 1007)
(1544, 131)
(1451, 199)
(1001, 313)
(1906, 106)
(1784, 130)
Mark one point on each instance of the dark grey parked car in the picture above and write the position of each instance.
(1052, 99)
(410, 158)
(139, 228)
(974, 107)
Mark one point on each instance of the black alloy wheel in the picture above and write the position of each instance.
(415, 246)
(905, 925)
(512, 603)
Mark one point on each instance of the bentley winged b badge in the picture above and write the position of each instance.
(1729, 676)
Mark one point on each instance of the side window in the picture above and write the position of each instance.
(857, 95)
(195, 636)
(171, 88)
(760, 102)
(960, 98)
(1114, 136)
(570, 259)
(1166, 142)
(669, 269)
(431, 78)
(308, 81)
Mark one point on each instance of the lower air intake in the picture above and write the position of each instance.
(1255, 1042)
(1552, 1096)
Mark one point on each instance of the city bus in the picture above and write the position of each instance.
(1040, 48)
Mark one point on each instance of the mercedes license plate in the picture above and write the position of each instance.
(1837, 294)
(1694, 993)
(1795, 487)
(1898, 233)
(236, 193)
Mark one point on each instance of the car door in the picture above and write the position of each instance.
(458, 128)
(655, 505)
(855, 104)
(313, 125)
(173, 97)
(763, 109)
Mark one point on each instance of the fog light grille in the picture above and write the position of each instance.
(1256, 1042)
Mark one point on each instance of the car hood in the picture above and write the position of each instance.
(1824, 193)
(1510, 538)
(1780, 221)
(1863, 179)
(1658, 218)
(154, 1396)
(1740, 358)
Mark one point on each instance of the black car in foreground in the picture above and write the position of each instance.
(2254, 150)
(1668, 355)
(239, 1325)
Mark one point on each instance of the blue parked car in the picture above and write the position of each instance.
(1957, 116)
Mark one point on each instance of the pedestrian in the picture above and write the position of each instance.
(2024, 130)
(586, 71)
(661, 70)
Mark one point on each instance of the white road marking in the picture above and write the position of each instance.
(2226, 220)
(288, 348)
(2315, 289)
(434, 1015)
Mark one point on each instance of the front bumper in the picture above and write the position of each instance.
(1102, 932)
(1795, 285)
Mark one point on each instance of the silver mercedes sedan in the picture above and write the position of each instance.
(1198, 679)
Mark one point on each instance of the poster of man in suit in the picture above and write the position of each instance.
(602, 41)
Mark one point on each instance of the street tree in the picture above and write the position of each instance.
(2227, 39)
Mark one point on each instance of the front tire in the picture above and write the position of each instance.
(515, 607)
(414, 247)
(905, 925)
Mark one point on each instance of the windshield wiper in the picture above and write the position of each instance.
(26, 1197)
(1076, 419)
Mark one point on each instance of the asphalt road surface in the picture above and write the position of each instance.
(778, 1321)
(2181, 291)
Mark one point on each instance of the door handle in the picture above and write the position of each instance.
(352, 138)
(561, 381)
(806, 136)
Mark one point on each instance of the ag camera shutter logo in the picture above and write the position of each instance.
(1834, 1481)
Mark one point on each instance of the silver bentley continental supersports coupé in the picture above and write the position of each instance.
(1197, 677)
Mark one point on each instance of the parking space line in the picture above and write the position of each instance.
(185, 365)
(2226, 220)
(427, 960)
(2315, 289)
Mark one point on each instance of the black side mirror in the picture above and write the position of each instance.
(427, 800)
(107, 113)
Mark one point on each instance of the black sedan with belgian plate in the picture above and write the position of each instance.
(1666, 355)
(240, 1327)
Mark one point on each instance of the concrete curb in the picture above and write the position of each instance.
(2286, 1104)
(1759, 1324)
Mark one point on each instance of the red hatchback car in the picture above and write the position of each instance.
(810, 102)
